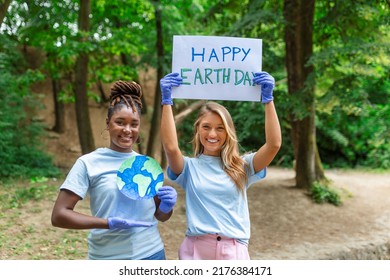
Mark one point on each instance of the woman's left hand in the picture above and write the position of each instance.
(267, 83)
(168, 196)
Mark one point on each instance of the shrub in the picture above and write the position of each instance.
(322, 193)
(21, 153)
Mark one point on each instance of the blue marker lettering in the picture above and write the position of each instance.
(236, 50)
(224, 53)
(213, 55)
(197, 54)
(246, 53)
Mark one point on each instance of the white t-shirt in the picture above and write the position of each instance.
(214, 205)
(95, 174)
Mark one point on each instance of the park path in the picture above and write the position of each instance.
(286, 224)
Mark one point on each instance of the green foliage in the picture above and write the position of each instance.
(358, 138)
(351, 62)
(14, 196)
(246, 19)
(24, 195)
(352, 55)
(323, 194)
(21, 152)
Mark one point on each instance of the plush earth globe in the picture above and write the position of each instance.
(139, 177)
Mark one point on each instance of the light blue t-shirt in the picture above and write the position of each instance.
(95, 174)
(214, 205)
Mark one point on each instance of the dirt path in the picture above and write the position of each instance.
(286, 224)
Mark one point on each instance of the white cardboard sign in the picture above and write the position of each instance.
(216, 68)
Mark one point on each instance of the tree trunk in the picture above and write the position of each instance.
(99, 85)
(320, 173)
(154, 133)
(179, 117)
(81, 72)
(4, 4)
(59, 108)
(299, 48)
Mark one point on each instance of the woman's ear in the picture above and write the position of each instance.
(107, 122)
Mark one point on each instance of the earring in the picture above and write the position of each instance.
(104, 136)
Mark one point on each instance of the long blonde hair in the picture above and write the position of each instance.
(232, 162)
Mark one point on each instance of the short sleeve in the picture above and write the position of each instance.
(252, 176)
(172, 176)
(77, 180)
(180, 179)
(257, 176)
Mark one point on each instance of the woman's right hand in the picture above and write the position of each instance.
(120, 223)
(166, 84)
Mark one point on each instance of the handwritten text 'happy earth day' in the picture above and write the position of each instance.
(220, 75)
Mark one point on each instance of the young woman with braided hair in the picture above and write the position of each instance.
(120, 228)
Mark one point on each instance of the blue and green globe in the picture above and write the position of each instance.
(140, 177)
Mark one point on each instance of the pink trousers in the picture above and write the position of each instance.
(212, 247)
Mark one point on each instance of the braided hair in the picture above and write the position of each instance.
(127, 93)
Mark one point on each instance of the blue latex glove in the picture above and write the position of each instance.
(166, 84)
(120, 223)
(267, 83)
(168, 196)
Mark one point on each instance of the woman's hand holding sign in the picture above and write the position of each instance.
(166, 84)
(267, 83)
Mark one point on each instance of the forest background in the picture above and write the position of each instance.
(330, 60)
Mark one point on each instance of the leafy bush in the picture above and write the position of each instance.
(360, 139)
(21, 153)
(322, 193)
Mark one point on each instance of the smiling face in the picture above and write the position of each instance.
(123, 127)
(212, 134)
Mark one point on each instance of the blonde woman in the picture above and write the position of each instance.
(216, 179)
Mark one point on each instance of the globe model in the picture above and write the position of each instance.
(140, 177)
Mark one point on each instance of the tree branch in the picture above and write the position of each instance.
(193, 107)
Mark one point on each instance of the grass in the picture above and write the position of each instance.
(26, 232)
